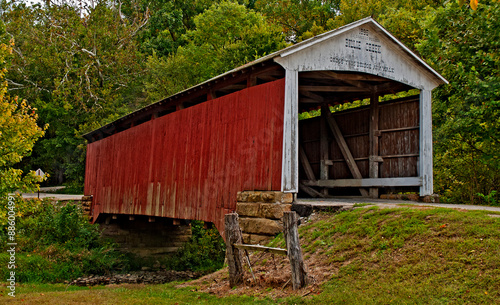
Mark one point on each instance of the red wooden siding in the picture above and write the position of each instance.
(191, 163)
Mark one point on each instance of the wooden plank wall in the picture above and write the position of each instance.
(191, 163)
(398, 143)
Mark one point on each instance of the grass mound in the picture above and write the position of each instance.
(426, 256)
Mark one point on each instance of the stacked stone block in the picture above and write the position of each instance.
(86, 203)
(260, 214)
(144, 238)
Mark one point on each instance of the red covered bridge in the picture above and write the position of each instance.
(187, 156)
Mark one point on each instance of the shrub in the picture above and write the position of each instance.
(204, 252)
(56, 243)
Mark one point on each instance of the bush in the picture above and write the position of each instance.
(204, 252)
(57, 243)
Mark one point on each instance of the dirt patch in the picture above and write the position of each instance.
(271, 275)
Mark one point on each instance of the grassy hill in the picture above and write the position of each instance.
(365, 256)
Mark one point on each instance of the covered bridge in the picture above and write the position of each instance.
(187, 156)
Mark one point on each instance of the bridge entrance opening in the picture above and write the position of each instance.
(358, 135)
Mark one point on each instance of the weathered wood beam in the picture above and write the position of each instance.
(333, 89)
(425, 143)
(399, 129)
(346, 152)
(374, 142)
(324, 151)
(313, 96)
(305, 164)
(233, 87)
(344, 76)
(233, 236)
(268, 78)
(294, 252)
(367, 182)
(308, 101)
(260, 248)
(310, 191)
(352, 82)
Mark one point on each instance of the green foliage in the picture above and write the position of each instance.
(79, 71)
(226, 36)
(493, 198)
(57, 243)
(205, 251)
(168, 23)
(463, 45)
(18, 133)
(300, 20)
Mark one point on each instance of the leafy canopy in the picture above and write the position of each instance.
(463, 45)
(18, 133)
(226, 36)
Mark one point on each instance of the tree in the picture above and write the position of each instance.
(226, 36)
(304, 19)
(169, 21)
(79, 70)
(463, 45)
(297, 17)
(18, 133)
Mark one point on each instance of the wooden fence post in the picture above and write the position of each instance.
(299, 274)
(233, 236)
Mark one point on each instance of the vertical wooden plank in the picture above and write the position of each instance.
(426, 143)
(324, 151)
(278, 111)
(294, 252)
(374, 130)
(233, 255)
(290, 170)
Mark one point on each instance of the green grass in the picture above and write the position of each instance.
(378, 256)
(128, 294)
(360, 205)
(409, 256)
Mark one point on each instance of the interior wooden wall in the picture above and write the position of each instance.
(398, 142)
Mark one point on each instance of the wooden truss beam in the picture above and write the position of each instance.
(318, 98)
(355, 83)
(310, 191)
(333, 89)
(367, 182)
(346, 152)
(305, 164)
(345, 76)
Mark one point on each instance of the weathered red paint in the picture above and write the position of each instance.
(191, 163)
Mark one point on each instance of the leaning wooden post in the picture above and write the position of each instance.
(299, 274)
(233, 255)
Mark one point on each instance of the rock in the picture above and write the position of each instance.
(304, 210)
(273, 210)
(146, 277)
(260, 226)
(249, 209)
